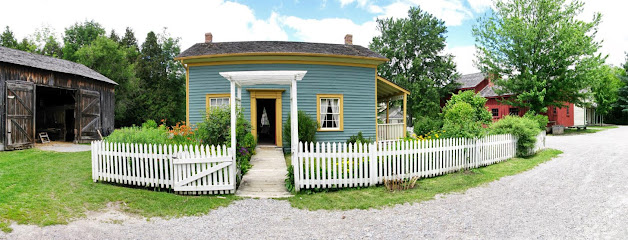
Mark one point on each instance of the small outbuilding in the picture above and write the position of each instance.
(40, 94)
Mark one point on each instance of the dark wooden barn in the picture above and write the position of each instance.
(67, 100)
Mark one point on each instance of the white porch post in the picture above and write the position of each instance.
(294, 131)
(232, 171)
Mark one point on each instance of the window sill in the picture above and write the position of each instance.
(329, 130)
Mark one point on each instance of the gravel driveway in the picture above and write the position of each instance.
(581, 194)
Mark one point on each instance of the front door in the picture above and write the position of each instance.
(266, 121)
(20, 112)
(264, 99)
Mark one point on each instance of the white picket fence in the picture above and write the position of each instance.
(185, 169)
(340, 165)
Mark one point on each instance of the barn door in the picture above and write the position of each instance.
(20, 112)
(89, 115)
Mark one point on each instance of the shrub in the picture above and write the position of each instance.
(477, 102)
(307, 129)
(525, 129)
(542, 120)
(464, 116)
(460, 122)
(423, 125)
(149, 124)
(214, 130)
(139, 135)
(359, 138)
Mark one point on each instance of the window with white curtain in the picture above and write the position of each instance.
(330, 112)
(218, 102)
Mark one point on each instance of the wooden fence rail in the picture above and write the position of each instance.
(185, 169)
(340, 165)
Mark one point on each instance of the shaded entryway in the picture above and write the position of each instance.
(55, 113)
(266, 127)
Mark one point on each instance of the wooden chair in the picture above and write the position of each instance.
(43, 136)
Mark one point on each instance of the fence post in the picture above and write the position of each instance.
(94, 161)
(296, 167)
(373, 163)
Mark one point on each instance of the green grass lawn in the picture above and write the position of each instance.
(45, 188)
(590, 129)
(379, 196)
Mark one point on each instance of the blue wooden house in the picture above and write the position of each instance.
(337, 84)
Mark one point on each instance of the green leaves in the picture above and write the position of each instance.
(414, 46)
(540, 49)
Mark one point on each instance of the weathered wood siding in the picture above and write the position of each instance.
(357, 84)
(61, 80)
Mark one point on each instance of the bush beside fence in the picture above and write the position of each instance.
(340, 165)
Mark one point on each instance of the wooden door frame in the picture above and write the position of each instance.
(267, 94)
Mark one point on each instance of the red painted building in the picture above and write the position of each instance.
(481, 84)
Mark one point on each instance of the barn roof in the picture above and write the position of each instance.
(471, 80)
(252, 47)
(27, 59)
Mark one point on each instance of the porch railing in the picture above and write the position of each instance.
(389, 131)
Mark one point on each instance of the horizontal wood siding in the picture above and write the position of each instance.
(357, 85)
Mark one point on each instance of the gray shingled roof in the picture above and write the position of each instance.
(489, 91)
(22, 58)
(471, 80)
(201, 49)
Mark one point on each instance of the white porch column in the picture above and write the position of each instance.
(294, 119)
(233, 115)
(232, 169)
(294, 132)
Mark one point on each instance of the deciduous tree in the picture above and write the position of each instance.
(541, 50)
(415, 47)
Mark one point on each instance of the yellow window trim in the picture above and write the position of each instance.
(215, 95)
(318, 111)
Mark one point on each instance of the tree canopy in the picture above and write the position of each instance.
(415, 47)
(151, 84)
(540, 50)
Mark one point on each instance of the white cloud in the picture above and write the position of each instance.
(463, 57)
(453, 12)
(228, 21)
(331, 30)
(361, 3)
(479, 6)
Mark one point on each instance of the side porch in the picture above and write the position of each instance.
(391, 110)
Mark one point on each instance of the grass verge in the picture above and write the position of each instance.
(378, 196)
(45, 188)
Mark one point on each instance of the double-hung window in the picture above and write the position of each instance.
(329, 113)
(214, 101)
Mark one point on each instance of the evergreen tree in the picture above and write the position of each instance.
(113, 36)
(129, 41)
(619, 112)
(7, 39)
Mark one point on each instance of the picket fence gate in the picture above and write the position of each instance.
(340, 165)
(184, 169)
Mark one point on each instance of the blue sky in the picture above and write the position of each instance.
(288, 20)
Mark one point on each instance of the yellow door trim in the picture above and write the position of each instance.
(267, 94)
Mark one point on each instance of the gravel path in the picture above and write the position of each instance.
(581, 194)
